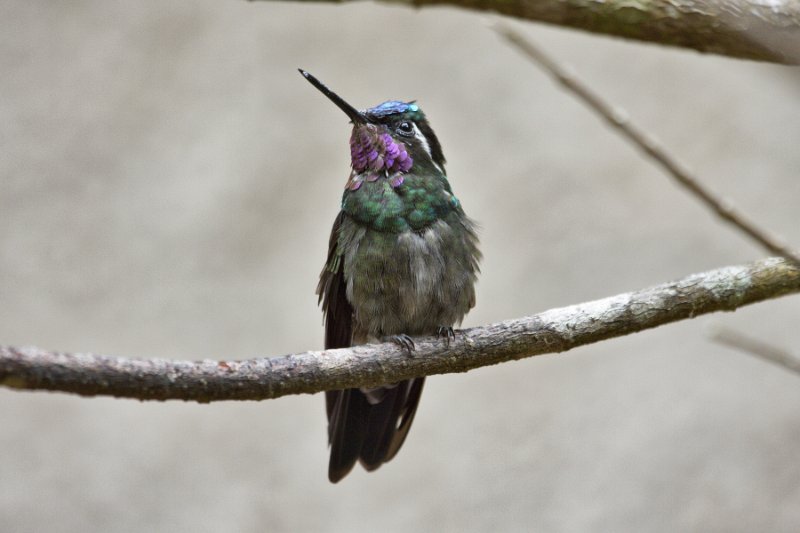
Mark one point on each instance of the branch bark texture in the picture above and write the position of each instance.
(765, 30)
(556, 330)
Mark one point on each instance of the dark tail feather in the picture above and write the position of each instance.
(347, 426)
(372, 433)
(381, 427)
(411, 403)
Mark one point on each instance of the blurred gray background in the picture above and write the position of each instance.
(167, 185)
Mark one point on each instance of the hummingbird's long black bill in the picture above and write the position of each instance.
(355, 115)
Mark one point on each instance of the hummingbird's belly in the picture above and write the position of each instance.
(410, 282)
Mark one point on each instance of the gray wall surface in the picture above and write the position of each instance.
(167, 185)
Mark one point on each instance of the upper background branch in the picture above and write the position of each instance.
(553, 331)
(764, 30)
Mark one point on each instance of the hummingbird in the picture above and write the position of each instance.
(402, 261)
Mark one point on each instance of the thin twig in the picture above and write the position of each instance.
(759, 348)
(553, 331)
(619, 120)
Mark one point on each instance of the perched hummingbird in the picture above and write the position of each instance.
(402, 261)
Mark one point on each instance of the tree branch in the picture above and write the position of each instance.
(764, 30)
(553, 331)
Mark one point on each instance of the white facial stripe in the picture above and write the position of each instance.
(421, 138)
(424, 142)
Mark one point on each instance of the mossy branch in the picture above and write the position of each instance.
(556, 330)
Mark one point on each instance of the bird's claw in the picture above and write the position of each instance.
(446, 332)
(403, 341)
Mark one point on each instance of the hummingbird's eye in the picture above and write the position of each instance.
(405, 128)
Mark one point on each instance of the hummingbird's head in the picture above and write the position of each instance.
(393, 136)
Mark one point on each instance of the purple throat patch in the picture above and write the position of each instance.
(373, 151)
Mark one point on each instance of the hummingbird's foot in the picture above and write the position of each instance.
(446, 332)
(402, 340)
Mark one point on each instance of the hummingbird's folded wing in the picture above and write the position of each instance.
(332, 293)
(366, 425)
(347, 410)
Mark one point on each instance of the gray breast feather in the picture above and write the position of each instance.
(410, 282)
